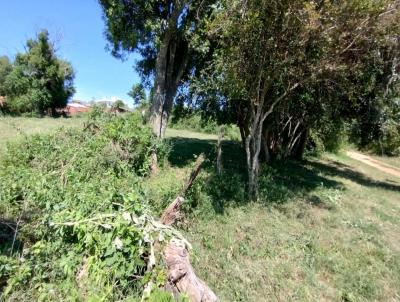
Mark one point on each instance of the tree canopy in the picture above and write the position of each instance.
(5, 69)
(286, 71)
(138, 94)
(39, 80)
(164, 33)
(289, 73)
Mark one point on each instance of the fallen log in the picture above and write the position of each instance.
(171, 213)
(181, 276)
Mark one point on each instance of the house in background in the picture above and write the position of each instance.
(76, 107)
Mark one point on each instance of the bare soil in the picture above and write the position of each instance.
(368, 160)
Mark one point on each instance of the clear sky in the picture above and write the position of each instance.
(77, 28)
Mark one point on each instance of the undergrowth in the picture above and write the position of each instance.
(76, 224)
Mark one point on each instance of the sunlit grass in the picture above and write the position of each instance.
(13, 128)
(323, 230)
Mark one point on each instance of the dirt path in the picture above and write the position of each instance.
(374, 163)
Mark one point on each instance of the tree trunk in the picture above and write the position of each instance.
(302, 145)
(181, 276)
(180, 273)
(267, 153)
(159, 89)
(170, 65)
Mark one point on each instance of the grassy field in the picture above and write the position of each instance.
(335, 239)
(323, 229)
(12, 128)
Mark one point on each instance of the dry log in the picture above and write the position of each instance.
(193, 174)
(154, 163)
(181, 276)
(171, 213)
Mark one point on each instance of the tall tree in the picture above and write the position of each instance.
(5, 69)
(39, 80)
(138, 94)
(162, 33)
(286, 66)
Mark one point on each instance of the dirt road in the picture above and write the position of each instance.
(374, 163)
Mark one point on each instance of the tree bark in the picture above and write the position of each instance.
(180, 273)
(181, 276)
(170, 65)
(159, 88)
(267, 153)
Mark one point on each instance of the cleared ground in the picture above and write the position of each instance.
(373, 162)
(325, 229)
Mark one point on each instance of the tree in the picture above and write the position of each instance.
(162, 32)
(5, 69)
(262, 60)
(138, 94)
(118, 105)
(285, 67)
(39, 80)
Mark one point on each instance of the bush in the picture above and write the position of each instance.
(84, 226)
(194, 122)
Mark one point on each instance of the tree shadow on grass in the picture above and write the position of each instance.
(280, 182)
(184, 150)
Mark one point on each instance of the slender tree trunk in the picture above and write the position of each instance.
(302, 145)
(219, 150)
(266, 146)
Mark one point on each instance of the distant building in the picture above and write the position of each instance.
(76, 108)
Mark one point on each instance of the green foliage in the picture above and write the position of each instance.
(77, 201)
(5, 69)
(141, 26)
(194, 122)
(118, 105)
(378, 129)
(343, 57)
(39, 80)
(138, 94)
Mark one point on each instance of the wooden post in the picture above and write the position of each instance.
(219, 149)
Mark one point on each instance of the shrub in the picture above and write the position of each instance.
(194, 122)
(84, 226)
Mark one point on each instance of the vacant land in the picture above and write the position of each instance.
(335, 239)
(12, 128)
(324, 229)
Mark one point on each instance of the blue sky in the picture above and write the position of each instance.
(77, 28)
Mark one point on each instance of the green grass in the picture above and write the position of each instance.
(323, 229)
(13, 128)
